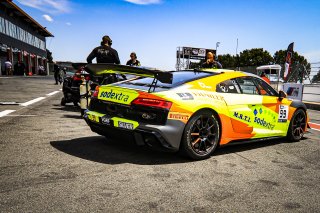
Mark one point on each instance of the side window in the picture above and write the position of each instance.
(247, 86)
(228, 86)
(264, 88)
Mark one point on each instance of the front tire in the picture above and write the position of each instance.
(297, 125)
(201, 136)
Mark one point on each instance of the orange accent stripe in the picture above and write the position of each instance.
(228, 132)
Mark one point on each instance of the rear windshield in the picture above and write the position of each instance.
(178, 78)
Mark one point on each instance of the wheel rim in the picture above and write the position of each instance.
(299, 124)
(204, 135)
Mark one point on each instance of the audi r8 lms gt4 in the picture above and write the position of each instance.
(191, 111)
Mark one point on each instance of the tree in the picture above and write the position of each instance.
(49, 56)
(316, 78)
(280, 56)
(255, 57)
(227, 61)
(298, 63)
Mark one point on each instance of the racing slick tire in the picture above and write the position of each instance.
(297, 125)
(63, 101)
(201, 135)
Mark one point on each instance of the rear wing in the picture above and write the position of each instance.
(101, 69)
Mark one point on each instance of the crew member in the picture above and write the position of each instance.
(56, 70)
(133, 60)
(265, 78)
(210, 62)
(104, 53)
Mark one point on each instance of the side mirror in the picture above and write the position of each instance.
(282, 95)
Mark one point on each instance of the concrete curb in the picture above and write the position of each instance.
(312, 105)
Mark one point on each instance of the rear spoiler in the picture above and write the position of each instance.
(78, 65)
(100, 69)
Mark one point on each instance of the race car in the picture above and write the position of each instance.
(191, 111)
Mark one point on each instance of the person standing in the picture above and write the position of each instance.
(133, 60)
(8, 67)
(210, 62)
(20, 68)
(265, 78)
(56, 70)
(104, 53)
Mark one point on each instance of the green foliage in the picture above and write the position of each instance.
(227, 61)
(316, 78)
(280, 56)
(255, 57)
(49, 56)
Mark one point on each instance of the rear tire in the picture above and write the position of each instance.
(297, 125)
(201, 135)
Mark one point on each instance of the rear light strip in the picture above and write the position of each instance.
(152, 103)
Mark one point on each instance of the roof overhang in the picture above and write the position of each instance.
(273, 67)
(19, 12)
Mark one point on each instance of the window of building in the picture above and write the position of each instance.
(14, 31)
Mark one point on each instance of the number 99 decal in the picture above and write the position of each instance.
(283, 113)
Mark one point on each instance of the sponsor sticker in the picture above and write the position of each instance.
(208, 95)
(185, 96)
(93, 116)
(241, 116)
(125, 125)
(203, 85)
(179, 116)
(117, 95)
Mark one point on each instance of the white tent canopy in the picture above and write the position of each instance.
(273, 66)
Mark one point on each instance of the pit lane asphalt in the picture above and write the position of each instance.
(50, 161)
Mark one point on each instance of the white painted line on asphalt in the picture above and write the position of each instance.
(5, 112)
(32, 101)
(52, 93)
(21, 115)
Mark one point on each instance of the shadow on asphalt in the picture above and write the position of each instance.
(73, 116)
(99, 149)
(68, 108)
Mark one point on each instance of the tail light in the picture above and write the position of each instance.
(152, 103)
(77, 76)
(96, 92)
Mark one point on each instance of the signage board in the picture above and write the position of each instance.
(293, 90)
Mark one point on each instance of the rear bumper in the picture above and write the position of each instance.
(159, 137)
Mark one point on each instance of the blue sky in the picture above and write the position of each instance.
(155, 28)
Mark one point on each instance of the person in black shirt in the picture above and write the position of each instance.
(104, 53)
(210, 62)
(56, 70)
(133, 60)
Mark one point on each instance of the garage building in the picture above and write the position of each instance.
(22, 39)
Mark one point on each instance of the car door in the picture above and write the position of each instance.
(240, 114)
(274, 118)
(254, 108)
(265, 105)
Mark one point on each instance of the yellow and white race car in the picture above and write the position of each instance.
(191, 111)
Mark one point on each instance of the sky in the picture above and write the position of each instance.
(155, 28)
